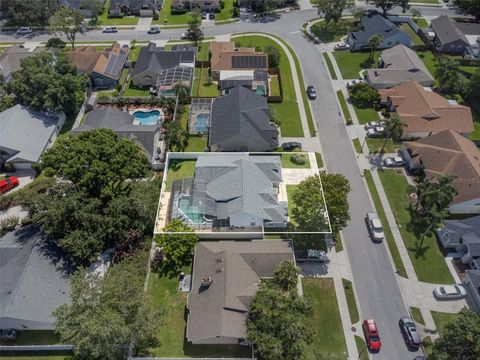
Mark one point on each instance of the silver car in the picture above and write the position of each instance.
(410, 333)
(375, 226)
(449, 292)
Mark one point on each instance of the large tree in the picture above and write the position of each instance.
(194, 26)
(107, 312)
(28, 13)
(393, 129)
(68, 22)
(387, 5)
(274, 55)
(450, 78)
(48, 81)
(286, 276)
(336, 188)
(460, 339)
(175, 136)
(373, 43)
(332, 11)
(471, 7)
(96, 7)
(98, 162)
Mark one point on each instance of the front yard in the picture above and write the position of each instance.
(375, 145)
(332, 33)
(365, 115)
(167, 17)
(441, 319)
(428, 262)
(227, 12)
(351, 64)
(288, 163)
(105, 20)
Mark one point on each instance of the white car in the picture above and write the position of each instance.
(342, 46)
(154, 30)
(449, 292)
(110, 29)
(375, 226)
(393, 161)
(354, 82)
(25, 30)
(376, 131)
(372, 124)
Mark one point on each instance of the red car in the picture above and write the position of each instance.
(372, 338)
(8, 184)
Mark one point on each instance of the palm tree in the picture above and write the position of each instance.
(374, 42)
(176, 138)
(181, 90)
(394, 129)
(447, 71)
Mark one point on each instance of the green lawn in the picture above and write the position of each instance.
(441, 319)
(226, 12)
(171, 18)
(352, 305)
(33, 337)
(413, 35)
(343, 105)
(184, 117)
(200, 85)
(274, 86)
(288, 112)
(318, 158)
(178, 169)
(392, 246)
(134, 52)
(361, 348)
(375, 145)
(203, 53)
(332, 33)
(421, 22)
(287, 161)
(197, 144)
(331, 70)
(429, 60)
(105, 20)
(352, 63)
(357, 145)
(475, 135)
(329, 340)
(428, 262)
(132, 90)
(469, 70)
(123, 77)
(417, 315)
(291, 205)
(365, 115)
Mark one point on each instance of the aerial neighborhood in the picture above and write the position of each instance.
(239, 179)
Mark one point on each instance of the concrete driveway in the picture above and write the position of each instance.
(25, 177)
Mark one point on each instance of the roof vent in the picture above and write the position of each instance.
(206, 282)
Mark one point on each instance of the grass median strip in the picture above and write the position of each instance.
(361, 348)
(386, 226)
(319, 159)
(417, 315)
(331, 69)
(343, 105)
(352, 305)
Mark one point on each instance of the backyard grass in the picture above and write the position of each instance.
(291, 205)
(201, 86)
(184, 117)
(318, 158)
(34, 337)
(105, 20)
(429, 60)
(203, 53)
(227, 11)
(288, 163)
(352, 305)
(421, 22)
(365, 115)
(441, 319)
(331, 70)
(179, 169)
(375, 145)
(134, 52)
(428, 262)
(343, 105)
(196, 144)
(274, 86)
(417, 315)
(124, 75)
(475, 135)
(328, 340)
(132, 90)
(352, 63)
(392, 246)
(413, 35)
(168, 18)
(288, 112)
(361, 348)
(332, 33)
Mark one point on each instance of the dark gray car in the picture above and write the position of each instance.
(409, 330)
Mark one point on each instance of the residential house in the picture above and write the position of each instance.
(10, 60)
(230, 192)
(425, 112)
(226, 57)
(123, 124)
(449, 153)
(104, 67)
(25, 134)
(226, 277)
(472, 285)
(372, 24)
(204, 5)
(34, 281)
(240, 122)
(119, 8)
(77, 5)
(160, 68)
(255, 80)
(463, 236)
(398, 65)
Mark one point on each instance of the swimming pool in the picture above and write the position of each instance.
(260, 90)
(146, 117)
(192, 212)
(201, 123)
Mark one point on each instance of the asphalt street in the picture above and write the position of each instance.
(377, 289)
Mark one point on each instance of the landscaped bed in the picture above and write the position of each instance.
(287, 161)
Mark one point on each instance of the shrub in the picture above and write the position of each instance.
(8, 167)
(236, 12)
(38, 168)
(55, 43)
(299, 159)
(156, 16)
(411, 189)
(273, 56)
(363, 95)
(8, 224)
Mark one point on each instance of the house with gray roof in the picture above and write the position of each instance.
(157, 67)
(134, 7)
(123, 124)
(226, 277)
(34, 280)
(464, 237)
(25, 134)
(398, 65)
(240, 121)
(374, 23)
(448, 37)
(10, 60)
(231, 192)
(471, 282)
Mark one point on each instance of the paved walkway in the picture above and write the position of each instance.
(144, 24)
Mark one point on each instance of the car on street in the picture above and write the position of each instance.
(311, 92)
(449, 292)
(410, 333)
(372, 337)
(342, 46)
(310, 255)
(110, 29)
(187, 35)
(8, 184)
(24, 30)
(290, 146)
(154, 29)
(376, 131)
(452, 6)
(375, 227)
(393, 161)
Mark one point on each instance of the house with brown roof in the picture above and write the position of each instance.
(449, 153)
(104, 67)
(425, 112)
(224, 56)
(226, 276)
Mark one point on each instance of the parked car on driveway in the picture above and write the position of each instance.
(342, 46)
(8, 184)
(449, 292)
(375, 226)
(310, 255)
(393, 161)
(410, 333)
(354, 82)
(292, 145)
(24, 30)
(372, 338)
(373, 124)
(110, 29)
(311, 92)
(376, 131)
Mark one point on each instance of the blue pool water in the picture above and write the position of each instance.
(201, 123)
(147, 117)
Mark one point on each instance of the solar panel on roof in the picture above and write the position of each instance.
(242, 62)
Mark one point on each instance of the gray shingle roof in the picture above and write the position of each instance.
(133, 5)
(236, 268)
(242, 114)
(458, 229)
(447, 31)
(34, 280)
(10, 59)
(376, 24)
